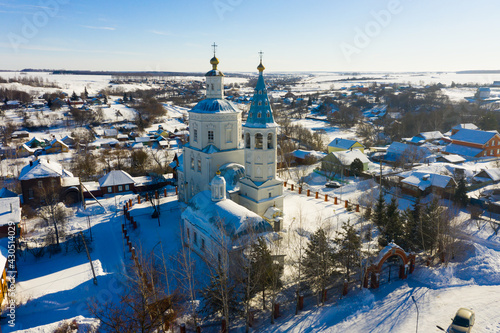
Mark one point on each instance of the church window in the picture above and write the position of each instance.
(260, 92)
(253, 103)
(199, 165)
(266, 103)
(210, 136)
(192, 163)
(268, 114)
(229, 135)
(269, 141)
(247, 140)
(269, 194)
(259, 114)
(260, 103)
(258, 141)
(195, 135)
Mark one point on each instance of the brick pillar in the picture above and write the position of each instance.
(308, 192)
(165, 192)
(300, 190)
(292, 188)
(301, 302)
(147, 196)
(284, 184)
(176, 191)
(156, 194)
(346, 203)
(317, 195)
(139, 199)
(326, 197)
(335, 202)
(357, 208)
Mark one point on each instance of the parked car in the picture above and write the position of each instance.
(463, 321)
(332, 184)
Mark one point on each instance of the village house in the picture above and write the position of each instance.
(56, 146)
(43, 181)
(116, 181)
(339, 144)
(487, 176)
(417, 184)
(343, 160)
(457, 128)
(474, 143)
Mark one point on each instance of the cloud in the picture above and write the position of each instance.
(98, 28)
(161, 33)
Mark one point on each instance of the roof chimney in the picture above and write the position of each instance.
(31, 163)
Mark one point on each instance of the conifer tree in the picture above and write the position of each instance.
(318, 263)
(393, 229)
(412, 236)
(349, 248)
(356, 167)
(461, 193)
(74, 97)
(125, 98)
(86, 93)
(429, 230)
(263, 269)
(378, 215)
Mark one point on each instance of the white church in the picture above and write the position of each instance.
(227, 171)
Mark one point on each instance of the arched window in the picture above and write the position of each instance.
(259, 114)
(258, 141)
(268, 114)
(247, 140)
(266, 103)
(260, 92)
(260, 103)
(269, 141)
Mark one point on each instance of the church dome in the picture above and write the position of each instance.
(214, 61)
(212, 105)
(218, 187)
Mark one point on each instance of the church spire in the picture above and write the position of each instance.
(215, 82)
(260, 114)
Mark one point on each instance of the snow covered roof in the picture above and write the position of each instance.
(348, 156)
(116, 177)
(473, 136)
(434, 135)
(465, 126)
(462, 150)
(398, 149)
(232, 173)
(423, 180)
(212, 105)
(302, 154)
(493, 174)
(10, 210)
(42, 168)
(100, 142)
(236, 220)
(452, 158)
(342, 143)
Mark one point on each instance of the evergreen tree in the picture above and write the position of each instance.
(263, 270)
(74, 97)
(378, 214)
(429, 226)
(85, 93)
(393, 228)
(412, 218)
(356, 167)
(461, 193)
(349, 248)
(318, 263)
(125, 98)
(105, 99)
(219, 297)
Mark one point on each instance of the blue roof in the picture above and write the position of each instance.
(260, 114)
(463, 150)
(213, 105)
(473, 136)
(342, 143)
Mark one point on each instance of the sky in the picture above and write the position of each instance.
(295, 35)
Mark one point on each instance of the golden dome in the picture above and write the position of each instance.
(214, 62)
(261, 67)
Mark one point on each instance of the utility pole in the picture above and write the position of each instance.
(413, 298)
(88, 256)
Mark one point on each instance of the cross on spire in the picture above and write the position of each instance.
(215, 47)
(260, 54)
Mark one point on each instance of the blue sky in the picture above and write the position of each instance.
(295, 35)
